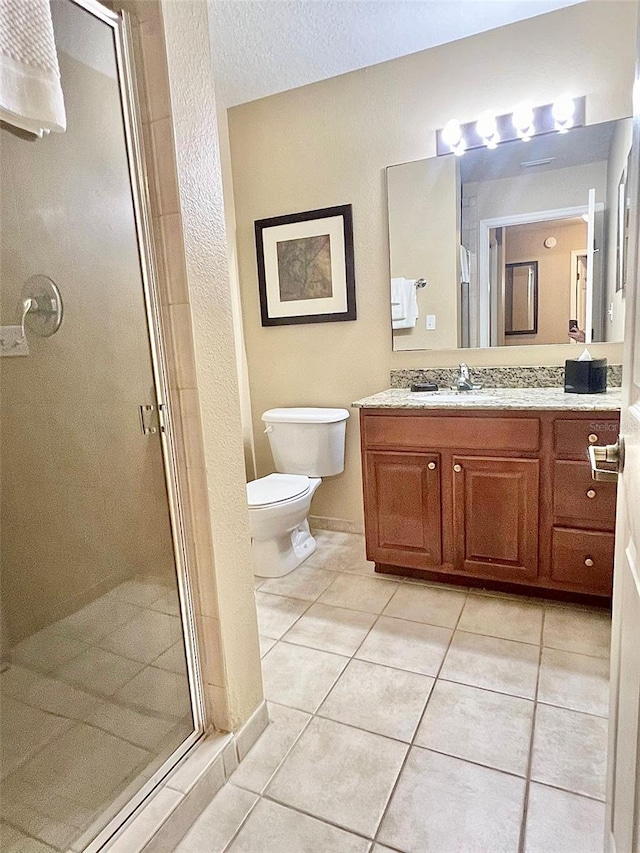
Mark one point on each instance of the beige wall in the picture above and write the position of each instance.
(550, 190)
(329, 143)
(83, 496)
(526, 243)
(424, 240)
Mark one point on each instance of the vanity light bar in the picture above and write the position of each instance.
(558, 117)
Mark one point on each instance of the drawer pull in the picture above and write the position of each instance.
(457, 468)
(431, 466)
(591, 493)
(588, 562)
(593, 438)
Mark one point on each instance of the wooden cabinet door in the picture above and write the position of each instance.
(495, 517)
(402, 508)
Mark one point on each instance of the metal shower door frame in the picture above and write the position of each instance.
(123, 47)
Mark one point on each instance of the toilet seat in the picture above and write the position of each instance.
(276, 489)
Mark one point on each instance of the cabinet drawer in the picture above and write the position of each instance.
(505, 434)
(579, 501)
(573, 437)
(583, 559)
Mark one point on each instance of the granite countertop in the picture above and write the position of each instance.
(549, 399)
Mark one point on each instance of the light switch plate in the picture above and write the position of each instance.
(12, 341)
(431, 322)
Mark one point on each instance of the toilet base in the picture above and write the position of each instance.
(282, 554)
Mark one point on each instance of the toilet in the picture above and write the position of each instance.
(307, 444)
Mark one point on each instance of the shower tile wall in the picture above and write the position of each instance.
(74, 462)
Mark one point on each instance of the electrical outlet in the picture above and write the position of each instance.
(431, 322)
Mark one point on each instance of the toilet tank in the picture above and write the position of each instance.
(307, 441)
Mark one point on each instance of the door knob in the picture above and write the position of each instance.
(593, 438)
(588, 562)
(431, 466)
(611, 453)
(457, 468)
(591, 493)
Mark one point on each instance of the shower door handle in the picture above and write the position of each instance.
(149, 422)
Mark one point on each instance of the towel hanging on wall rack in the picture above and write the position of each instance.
(404, 304)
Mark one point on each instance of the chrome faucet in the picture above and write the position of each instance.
(463, 382)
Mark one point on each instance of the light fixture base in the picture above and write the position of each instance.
(543, 122)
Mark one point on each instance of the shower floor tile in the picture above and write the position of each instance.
(86, 718)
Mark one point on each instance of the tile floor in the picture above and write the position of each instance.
(103, 688)
(417, 718)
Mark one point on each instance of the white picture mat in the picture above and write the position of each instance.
(334, 227)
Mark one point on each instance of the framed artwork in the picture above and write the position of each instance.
(305, 267)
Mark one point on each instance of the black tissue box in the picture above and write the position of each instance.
(585, 377)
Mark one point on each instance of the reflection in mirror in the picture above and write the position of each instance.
(468, 224)
(521, 298)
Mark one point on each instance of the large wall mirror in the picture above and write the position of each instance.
(519, 245)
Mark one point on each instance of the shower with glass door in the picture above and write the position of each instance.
(99, 682)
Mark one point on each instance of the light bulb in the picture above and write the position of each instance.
(487, 128)
(460, 148)
(452, 134)
(562, 111)
(522, 119)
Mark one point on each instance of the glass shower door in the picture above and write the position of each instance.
(97, 694)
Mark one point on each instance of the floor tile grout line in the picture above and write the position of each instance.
(527, 788)
(317, 714)
(418, 622)
(352, 656)
(271, 799)
(573, 710)
(73, 721)
(412, 742)
(239, 828)
(29, 834)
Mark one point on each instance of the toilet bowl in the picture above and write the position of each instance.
(307, 444)
(280, 534)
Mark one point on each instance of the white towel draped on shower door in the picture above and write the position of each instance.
(30, 90)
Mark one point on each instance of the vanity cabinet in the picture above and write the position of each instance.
(491, 498)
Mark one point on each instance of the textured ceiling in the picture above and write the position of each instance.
(262, 47)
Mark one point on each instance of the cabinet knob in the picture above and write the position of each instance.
(457, 468)
(591, 493)
(593, 438)
(431, 466)
(588, 562)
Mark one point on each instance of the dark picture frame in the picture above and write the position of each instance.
(306, 267)
(514, 323)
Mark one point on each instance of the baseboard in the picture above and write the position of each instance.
(340, 525)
